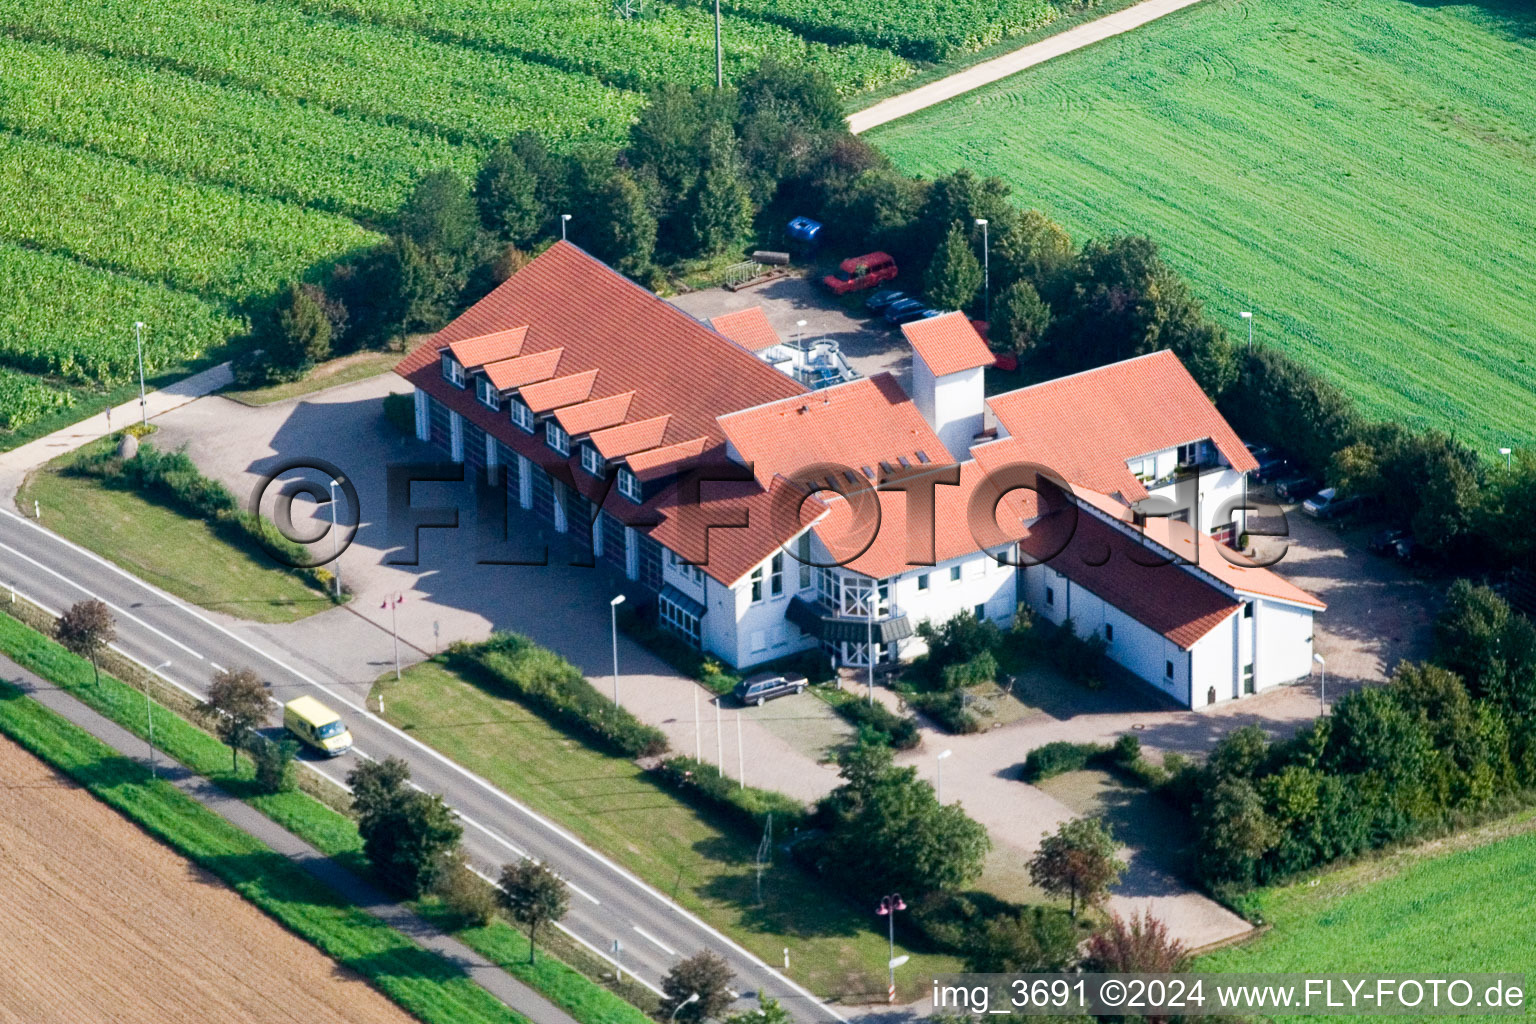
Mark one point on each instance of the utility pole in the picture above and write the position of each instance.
(719, 54)
(986, 269)
(138, 340)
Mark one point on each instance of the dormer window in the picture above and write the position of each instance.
(556, 437)
(521, 414)
(453, 372)
(487, 393)
(629, 486)
(1189, 454)
(591, 461)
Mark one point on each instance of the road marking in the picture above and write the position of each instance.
(654, 940)
(617, 966)
(634, 880)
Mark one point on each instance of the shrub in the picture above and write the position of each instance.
(557, 689)
(274, 764)
(703, 783)
(1127, 749)
(1058, 757)
(400, 411)
(948, 710)
(980, 669)
(467, 897)
(876, 722)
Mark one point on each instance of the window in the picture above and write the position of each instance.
(757, 585)
(1189, 454)
(1168, 669)
(1248, 678)
(1142, 469)
(954, 574)
(556, 437)
(1109, 633)
(591, 461)
(629, 486)
(487, 393)
(805, 561)
(922, 582)
(453, 373)
(687, 570)
(1248, 610)
(678, 619)
(1050, 596)
(776, 575)
(521, 414)
(981, 613)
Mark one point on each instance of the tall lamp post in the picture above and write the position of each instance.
(1249, 317)
(986, 270)
(887, 909)
(565, 219)
(1322, 693)
(940, 759)
(393, 603)
(138, 340)
(613, 611)
(719, 53)
(335, 545)
(691, 999)
(1507, 452)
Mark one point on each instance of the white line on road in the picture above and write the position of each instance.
(487, 787)
(654, 940)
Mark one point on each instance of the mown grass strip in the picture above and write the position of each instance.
(421, 982)
(329, 831)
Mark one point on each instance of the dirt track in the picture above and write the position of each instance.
(100, 922)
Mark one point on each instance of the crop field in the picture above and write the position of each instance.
(167, 162)
(1469, 905)
(1360, 174)
(148, 937)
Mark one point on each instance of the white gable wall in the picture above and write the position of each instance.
(953, 404)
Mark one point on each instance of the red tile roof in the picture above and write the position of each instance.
(1086, 426)
(900, 545)
(673, 363)
(862, 423)
(552, 394)
(727, 553)
(1226, 565)
(658, 461)
(524, 370)
(595, 415)
(617, 442)
(1129, 575)
(748, 328)
(488, 348)
(948, 344)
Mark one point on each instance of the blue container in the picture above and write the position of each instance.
(803, 229)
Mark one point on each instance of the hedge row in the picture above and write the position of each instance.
(703, 783)
(876, 722)
(556, 688)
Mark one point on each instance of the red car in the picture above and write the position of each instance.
(861, 272)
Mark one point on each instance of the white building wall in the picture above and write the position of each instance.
(954, 405)
(423, 415)
(982, 582)
(760, 631)
(1214, 488)
(1213, 665)
(1283, 635)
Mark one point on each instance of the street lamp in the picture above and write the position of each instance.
(719, 53)
(1322, 693)
(940, 759)
(138, 340)
(613, 609)
(887, 909)
(335, 546)
(149, 716)
(1249, 317)
(986, 269)
(1506, 452)
(800, 335)
(693, 998)
(565, 219)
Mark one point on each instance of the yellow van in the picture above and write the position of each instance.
(317, 726)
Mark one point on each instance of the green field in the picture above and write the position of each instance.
(1359, 173)
(1468, 899)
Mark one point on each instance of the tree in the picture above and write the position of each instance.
(1239, 754)
(84, 629)
(1141, 945)
(705, 974)
(238, 703)
(465, 894)
(1235, 832)
(617, 226)
(721, 209)
(1078, 861)
(508, 197)
(1275, 398)
(959, 199)
(954, 274)
(440, 215)
(302, 327)
(408, 836)
(1020, 319)
(1032, 248)
(533, 895)
(274, 764)
(1035, 940)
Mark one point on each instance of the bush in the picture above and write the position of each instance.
(274, 764)
(980, 669)
(948, 710)
(876, 722)
(467, 897)
(1059, 757)
(557, 689)
(1127, 750)
(400, 411)
(702, 783)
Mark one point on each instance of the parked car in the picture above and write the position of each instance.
(805, 230)
(1296, 487)
(1406, 549)
(861, 272)
(920, 313)
(883, 298)
(1327, 504)
(901, 307)
(1005, 361)
(1271, 463)
(767, 685)
(1384, 542)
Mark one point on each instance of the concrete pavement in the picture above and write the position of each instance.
(987, 72)
(246, 818)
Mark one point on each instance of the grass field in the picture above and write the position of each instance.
(1468, 899)
(1358, 174)
(158, 544)
(612, 806)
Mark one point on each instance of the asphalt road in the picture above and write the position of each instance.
(608, 903)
